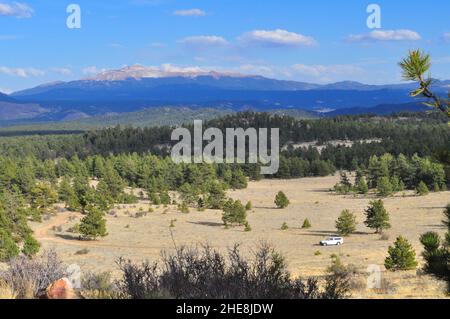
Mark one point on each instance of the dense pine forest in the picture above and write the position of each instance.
(38, 170)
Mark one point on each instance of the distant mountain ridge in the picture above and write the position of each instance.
(135, 88)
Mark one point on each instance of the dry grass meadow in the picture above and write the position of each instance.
(144, 237)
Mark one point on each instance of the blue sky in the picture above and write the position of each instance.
(316, 41)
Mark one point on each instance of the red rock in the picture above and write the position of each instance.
(60, 289)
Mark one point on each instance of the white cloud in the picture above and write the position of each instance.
(204, 41)
(21, 72)
(62, 71)
(276, 38)
(16, 9)
(92, 70)
(4, 37)
(327, 73)
(115, 45)
(385, 35)
(446, 37)
(190, 13)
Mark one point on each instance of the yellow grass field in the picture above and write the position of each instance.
(143, 238)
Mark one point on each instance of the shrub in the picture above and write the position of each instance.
(306, 224)
(422, 189)
(29, 277)
(8, 247)
(30, 246)
(401, 256)
(83, 251)
(346, 223)
(284, 226)
(247, 227)
(281, 200)
(248, 206)
(98, 286)
(193, 273)
(183, 208)
(437, 252)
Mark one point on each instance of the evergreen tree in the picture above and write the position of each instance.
(43, 196)
(93, 225)
(384, 187)
(281, 200)
(422, 189)
(306, 224)
(30, 246)
(8, 247)
(437, 252)
(377, 217)
(234, 213)
(346, 223)
(401, 256)
(361, 186)
(216, 196)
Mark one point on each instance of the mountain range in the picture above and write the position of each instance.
(137, 87)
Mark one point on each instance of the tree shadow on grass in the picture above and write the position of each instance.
(69, 237)
(211, 224)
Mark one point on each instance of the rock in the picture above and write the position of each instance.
(60, 289)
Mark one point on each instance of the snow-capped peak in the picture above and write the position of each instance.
(166, 70)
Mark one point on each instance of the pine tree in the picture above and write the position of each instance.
(8, 247)
(93, 225)
(437, 252)
(361, 186)
(346, 223)
(281, 200)
(377, 217)
(234, 213)
(422, 189)
(384, 187)
(306, 224)
(401, 256)
(30, 246)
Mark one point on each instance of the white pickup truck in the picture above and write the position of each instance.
(332, 241)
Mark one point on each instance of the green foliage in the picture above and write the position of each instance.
(437, 252)
(306, 224)
(401, 256)
(234, 213)
(384, 187)
(346, 223)
(422, 189)
(248, 206)
(361, 186)
(42, 196)
(414, 68)
(183, 208)
(93, 225)
(377, 216)
(30, 246)
(155, 199)
(8, 248)
(247, 227)
(281, 200)
(165, 197)
(284, 226)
